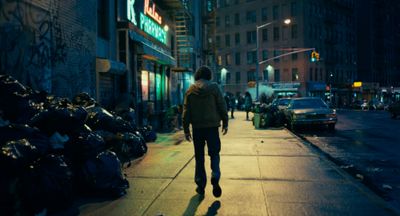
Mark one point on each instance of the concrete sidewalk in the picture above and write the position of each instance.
(264, 172)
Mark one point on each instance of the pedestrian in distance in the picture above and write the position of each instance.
(227, 102)
(204, 108)
(248, 103)
(232, 105)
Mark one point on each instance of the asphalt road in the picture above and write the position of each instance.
(367, 145)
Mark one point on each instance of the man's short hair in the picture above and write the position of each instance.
(203, 72)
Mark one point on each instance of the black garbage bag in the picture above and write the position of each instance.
(10, 203)
(18, 103)
(9, 85)
(83, 146)
(100, 119)
(16, 156)
(103, 176)
(65, 120)
(33, 135)
(109, 138)
(129, 146)
(148, 134)
(48, 184)
(83, 99)
(128, 115)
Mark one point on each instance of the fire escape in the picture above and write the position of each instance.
(184, 40)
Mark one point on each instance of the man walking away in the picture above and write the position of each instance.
(204, 108)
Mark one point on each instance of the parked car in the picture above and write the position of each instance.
(278, 107)
(394, 109)
(310, 111)
(281, 103)
(375, 104)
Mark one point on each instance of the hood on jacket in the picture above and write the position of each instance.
(201, 87)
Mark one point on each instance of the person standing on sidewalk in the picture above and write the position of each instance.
(204, 108)
(248, 103)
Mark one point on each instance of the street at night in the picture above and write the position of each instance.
(199, 107)
(367, 145)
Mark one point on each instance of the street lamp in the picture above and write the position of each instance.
(286, 22)
(224, 71)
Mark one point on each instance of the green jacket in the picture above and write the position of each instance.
(204, 106)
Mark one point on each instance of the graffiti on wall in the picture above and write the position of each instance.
(38, 48)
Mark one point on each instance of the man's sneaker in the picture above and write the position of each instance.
(200, 190)
(217, 191)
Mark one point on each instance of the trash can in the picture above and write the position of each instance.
(257, 120)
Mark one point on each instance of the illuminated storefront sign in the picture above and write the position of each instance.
(131, 12)
(152, 28)
(151, 11)
(357, 84)
(147, 19)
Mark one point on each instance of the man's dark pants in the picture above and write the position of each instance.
(201, 136)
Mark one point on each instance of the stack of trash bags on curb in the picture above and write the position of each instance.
(53, 149)
(267, 115)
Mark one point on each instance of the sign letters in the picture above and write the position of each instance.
(151, 11)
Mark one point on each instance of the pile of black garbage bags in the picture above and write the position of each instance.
(53, 148)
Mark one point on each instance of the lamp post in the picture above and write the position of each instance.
(330, 87)
(224, 71)
(286, 22)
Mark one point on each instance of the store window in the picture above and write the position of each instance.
(145, 85)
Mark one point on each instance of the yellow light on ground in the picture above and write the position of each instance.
(357, 84)
(166, 28)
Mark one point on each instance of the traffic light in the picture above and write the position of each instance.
(314, 56)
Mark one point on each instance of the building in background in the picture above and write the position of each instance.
(325, 26)
(378, 53)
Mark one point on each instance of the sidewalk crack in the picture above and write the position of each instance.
(165, 188)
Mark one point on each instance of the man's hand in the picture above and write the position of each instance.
(224, 130)
(188, 137)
